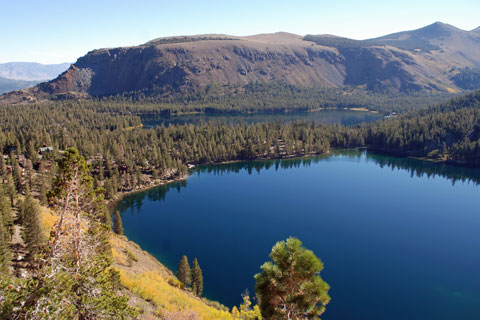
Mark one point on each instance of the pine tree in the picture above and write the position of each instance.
(197, 279)
(117, 224)
(17, 177)
(290, 287)
(5, 253)
(107, 218)
(42, 193)
(32, 232)
(75, 280)
(6, 213)
(3, 168)
(29, 173)
(10, 189)
(31, 152)
(184, 274)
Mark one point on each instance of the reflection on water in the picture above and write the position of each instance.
(344, 117)
(399, 237)
(134, 201)
(416, 168)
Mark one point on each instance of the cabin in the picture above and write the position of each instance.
(46, 149)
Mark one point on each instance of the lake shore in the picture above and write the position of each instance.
(119, 197)
(111, 203)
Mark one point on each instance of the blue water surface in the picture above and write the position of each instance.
(399, 238)
(327, 116)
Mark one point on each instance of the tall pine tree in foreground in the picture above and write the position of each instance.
(197, 279)
(184, 274)
(76, 280)
(290, 287)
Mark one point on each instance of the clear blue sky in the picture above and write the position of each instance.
(54, 31)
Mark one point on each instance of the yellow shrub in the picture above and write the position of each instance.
(152, 286)
(47, 219)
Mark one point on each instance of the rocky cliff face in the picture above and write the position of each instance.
(424, 59)
(189, 65)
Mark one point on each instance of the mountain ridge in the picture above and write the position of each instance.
(425, 59)
(31, 71)
(7, 85)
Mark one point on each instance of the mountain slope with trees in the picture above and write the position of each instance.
(121, 156)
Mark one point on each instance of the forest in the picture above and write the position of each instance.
(124, 155)
(38, 149)
(268, 97)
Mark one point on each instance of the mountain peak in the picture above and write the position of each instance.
(437, 29)
(476, 30)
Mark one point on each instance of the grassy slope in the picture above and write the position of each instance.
(151, 287)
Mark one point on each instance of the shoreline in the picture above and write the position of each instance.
(274, 111)
(121, 195)
(111, 203)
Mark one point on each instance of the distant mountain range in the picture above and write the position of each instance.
(436, 58)
(22, 75)
(7, 85)
(31, 71)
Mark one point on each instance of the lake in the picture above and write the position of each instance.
(337, 116)
(399, 237)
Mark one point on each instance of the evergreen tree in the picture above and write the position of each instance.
(17, 177)
(6, 213)
(42, 193)
(3, 168)
(184, 274)
(10, 190)
(76, 280)
(197, 279)
(31, 153)
(28, 174)
(290, 287)
(107, 218)
(117, 224)
(32, 232)
(5, 253)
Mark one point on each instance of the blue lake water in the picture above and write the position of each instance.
(337, 116)
(399, 238)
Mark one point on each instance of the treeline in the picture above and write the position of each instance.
(124, 156)
(450, 132)
(270, 97)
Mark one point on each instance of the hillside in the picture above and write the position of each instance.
(154, 289)
(430, 59)
(150, 287)
(447, 132)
